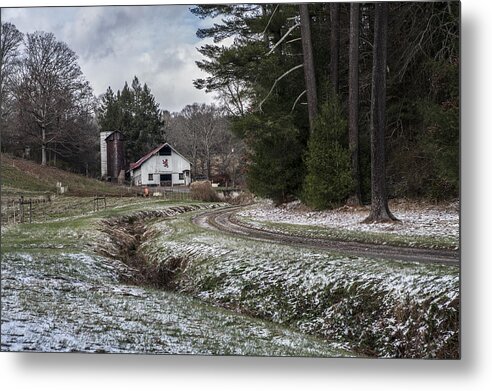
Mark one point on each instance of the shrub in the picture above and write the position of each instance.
(203, 191)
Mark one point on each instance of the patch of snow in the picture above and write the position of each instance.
(416, 220)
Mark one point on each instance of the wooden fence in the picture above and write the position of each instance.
(27, 210)
(20, 210)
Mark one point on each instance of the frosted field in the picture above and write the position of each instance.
(74, 303)
(57, 295)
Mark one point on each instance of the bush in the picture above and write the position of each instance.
(328, 182)
(203, 191)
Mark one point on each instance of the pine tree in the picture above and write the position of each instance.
(134, 112)
(109, 112)
(353, 102)
(276, 168)
(328, 180)
(379, 199)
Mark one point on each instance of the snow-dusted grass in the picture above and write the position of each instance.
(382, 308)
(73, 302)
(421, 225)
(57, 295)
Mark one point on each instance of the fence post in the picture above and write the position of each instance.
(21, 209)
(30, 211)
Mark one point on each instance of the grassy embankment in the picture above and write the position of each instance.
(421, 224)
(379, 308)
(25, 177)
(313, 231)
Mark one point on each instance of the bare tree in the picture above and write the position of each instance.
(309, 74)
(234, 97)
(51, 91)
(10, 39)
(379, 200)
(353, 101)
(209, 120)
(202, 133)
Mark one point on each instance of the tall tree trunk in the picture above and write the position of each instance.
(309, 75)
(43, 146)
(209, 165)
(379, 200)
(353, 99)
(334, 44)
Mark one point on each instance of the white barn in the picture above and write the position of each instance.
(163, 166)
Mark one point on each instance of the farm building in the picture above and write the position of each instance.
(163, 166)
(112, 156)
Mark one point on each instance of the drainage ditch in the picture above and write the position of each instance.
(127, 234)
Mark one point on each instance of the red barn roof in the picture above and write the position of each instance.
(146, 157)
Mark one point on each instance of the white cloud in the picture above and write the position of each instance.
(155, 43)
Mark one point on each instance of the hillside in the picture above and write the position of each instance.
(27, 177)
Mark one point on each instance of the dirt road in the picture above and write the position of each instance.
(224, 220)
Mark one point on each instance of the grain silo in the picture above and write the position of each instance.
(115, 155)
(112, 155)
(104, 154)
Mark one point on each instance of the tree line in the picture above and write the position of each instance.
(340, 102)
(49, 114)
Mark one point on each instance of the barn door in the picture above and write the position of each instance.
(166, 179)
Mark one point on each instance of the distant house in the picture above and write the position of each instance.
(112, 156)
(163, 166)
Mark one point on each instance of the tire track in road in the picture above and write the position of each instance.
(224, 220)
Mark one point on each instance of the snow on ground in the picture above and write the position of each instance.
(74, 303)
(416, 219)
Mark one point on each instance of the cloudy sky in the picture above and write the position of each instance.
(155, 43)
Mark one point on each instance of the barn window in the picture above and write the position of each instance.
(151, 177)
(165, 151)
(181, 176)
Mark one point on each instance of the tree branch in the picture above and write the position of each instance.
(276, 81)
(283, 37)
(297, 100)
(269, 20)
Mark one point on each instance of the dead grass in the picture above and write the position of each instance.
(20, 176)
(203, 191)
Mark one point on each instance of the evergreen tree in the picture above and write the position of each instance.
(258, 76)
(276, 168)
(109, 112)
(146, 121)
(328, 180)
(135, 113)
(353, 102)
